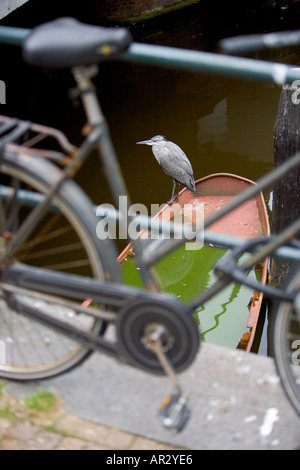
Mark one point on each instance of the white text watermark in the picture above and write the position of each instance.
(175, 222)
(296, 354)
(296, 93)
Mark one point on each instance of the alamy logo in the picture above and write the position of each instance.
(296, 93)
(296, 354)
(189, 220)
(2, 92)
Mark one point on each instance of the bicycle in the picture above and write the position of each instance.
(43, 214)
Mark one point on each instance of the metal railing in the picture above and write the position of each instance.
(187, 59)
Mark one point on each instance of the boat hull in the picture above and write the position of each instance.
(248, 221)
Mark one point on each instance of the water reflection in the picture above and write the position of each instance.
(212, 129)
(225, 337)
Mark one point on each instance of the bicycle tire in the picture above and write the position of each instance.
(52, 354)
(286, 341)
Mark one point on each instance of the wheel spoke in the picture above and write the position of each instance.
(287, 343)
(59, 241)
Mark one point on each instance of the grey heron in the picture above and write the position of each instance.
(173, 161)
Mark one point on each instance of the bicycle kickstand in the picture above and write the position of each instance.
(174, 409)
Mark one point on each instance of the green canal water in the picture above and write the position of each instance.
(185, 273)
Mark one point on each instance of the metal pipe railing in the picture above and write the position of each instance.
(209, 62)
(12, 35)
(157, 226)
(187, 59)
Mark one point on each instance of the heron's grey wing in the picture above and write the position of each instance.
(173, 159)
(175, 163)
(180, 158)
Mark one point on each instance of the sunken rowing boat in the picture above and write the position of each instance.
(248, 221)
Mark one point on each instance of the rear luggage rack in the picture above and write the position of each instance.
(24, 136)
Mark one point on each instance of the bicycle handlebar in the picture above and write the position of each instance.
(257, 42)
(228, 266)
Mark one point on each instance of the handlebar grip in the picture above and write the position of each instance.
(258, 42)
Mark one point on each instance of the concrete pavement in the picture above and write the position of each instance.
(236, 399)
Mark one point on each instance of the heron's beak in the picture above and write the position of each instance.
(147, 142)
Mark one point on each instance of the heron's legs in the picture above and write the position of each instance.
(173, 192)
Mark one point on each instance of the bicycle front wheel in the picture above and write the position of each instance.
(64, 240)
(286, 341)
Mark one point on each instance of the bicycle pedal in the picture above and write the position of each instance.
(174, 412)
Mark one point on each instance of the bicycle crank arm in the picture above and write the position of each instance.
(174, 409)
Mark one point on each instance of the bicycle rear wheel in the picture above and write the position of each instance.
(64, 240)
(286, 341)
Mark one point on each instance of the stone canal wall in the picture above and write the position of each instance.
(136, 10)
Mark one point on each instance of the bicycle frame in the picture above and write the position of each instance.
(114, 294)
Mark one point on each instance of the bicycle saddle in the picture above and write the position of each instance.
(67, 43)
